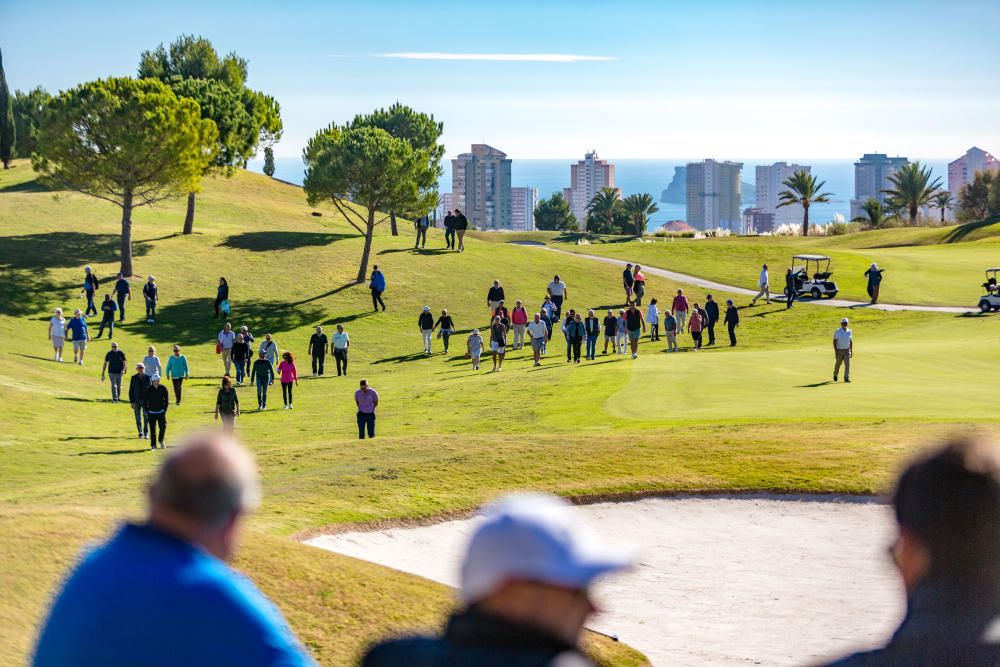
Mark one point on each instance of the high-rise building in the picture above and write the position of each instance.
(770, 184)
(758, 221)
(480, 187)
(523, 203)
(713, 195)
(963, 170)
(871, 179)
(586, 179)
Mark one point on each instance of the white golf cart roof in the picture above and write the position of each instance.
(992, 270)
(811, 258)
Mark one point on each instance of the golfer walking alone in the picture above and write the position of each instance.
(874, 276)
(843, 348)
(377, 286)
(367, 401)
(765, 287)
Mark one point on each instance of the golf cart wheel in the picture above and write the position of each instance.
(985, 306)
(815, 293)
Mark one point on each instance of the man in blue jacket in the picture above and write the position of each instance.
(377, 286)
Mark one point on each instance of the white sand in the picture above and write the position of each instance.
(722, 581)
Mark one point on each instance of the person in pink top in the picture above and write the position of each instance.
(367, 400)
(519, 318)
(695, 325)
(679, 309)
(289, 374)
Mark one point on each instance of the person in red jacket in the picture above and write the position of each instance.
(519, 321)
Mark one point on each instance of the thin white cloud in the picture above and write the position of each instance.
(498, 57)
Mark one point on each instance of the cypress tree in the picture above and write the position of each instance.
(269, 161)
(6, 120)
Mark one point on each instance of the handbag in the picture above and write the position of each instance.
(218, 347)
(224, 306)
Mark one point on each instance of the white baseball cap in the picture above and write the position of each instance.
(427, 308)
(156, 376)
(535, 537)
(843, 321)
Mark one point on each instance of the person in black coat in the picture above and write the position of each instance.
(449, 231)
(732, 321)
(712, 310)
(136, 388)
(790, 291)
(221, 294)
(155, 401)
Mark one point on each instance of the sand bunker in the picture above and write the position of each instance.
(722, 581)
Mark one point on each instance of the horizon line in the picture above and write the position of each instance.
(497, 57)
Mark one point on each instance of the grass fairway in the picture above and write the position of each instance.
(924, 266)
(758, 417)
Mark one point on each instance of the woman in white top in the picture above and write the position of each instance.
(653, 319)
(152, 363)
(57, 334)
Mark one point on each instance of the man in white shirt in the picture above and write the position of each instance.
(558, 293)
(843, 348)
(538, 332)
(341, 342)
(226, 339)
(765, 287)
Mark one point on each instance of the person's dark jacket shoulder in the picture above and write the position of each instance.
(223, 291)
(475, 639)
(261, 370)
(712, 308)
(496, 294)
(137, 386)
(425, 321)
(732, 315)
(155, 399)
(592, 326)
(449, 222)
(461, 222)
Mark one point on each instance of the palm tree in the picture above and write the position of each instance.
(944, 201)
(912, 188)
(639, 207)
(604, 205)
(804, 190)
(877, 215)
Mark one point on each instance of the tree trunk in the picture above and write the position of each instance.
(805, 220)
(363, 269)
(126, 264)
(942, 215)
(392, 223)
(189, 217)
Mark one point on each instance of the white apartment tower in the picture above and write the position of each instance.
(523, 202)
(480, 187)
(963, 170)
(770, 184)
(586, 179)
(871, 179)
(713, 195)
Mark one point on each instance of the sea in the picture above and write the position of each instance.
(652, 176)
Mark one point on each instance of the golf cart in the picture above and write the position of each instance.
(990, 300)
(817, 284)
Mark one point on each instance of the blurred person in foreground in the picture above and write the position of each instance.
(525, 586)
(947, 552)
(159, 592)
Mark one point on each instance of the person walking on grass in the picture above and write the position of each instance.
(155, 401)
(592, 327)
(224, 345)
(638, 285)
(843, 350)
(449, 231)
(289, 374)
(610, 331)
(377, 286)
(425, 322)
(570, 317)
(241, 350)
(652, 319)
(151, 294)
(270, 350)
(421, 224)
(503, 314)
(461, 225)
(366, 399)
(57, 334)
(123, 293)
(341, 343)
(558, 292)
(732, 321)
(474, 348)
(227, 405)
(670, 331)
(790, 289)
(114, 367)
(874, 276)
(576, 331)
(627, 281)
(137, 386)
(90, 285)
(222, 298)
(159, 592)
(262, 376)
(152, 362)
(765, 287)
(248, 339)
(712, 312)
(318, 345)
(77, 326)
(538, 332)
(694, 327)
(547, 321)
(548, 308)
(635, 324)
(622, 338)
(494, 297)
(498, 342)
(679, 309)
(177, 371)
(108, 308)
(447, 325)
(519, 321)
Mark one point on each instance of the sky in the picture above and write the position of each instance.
(554, 78)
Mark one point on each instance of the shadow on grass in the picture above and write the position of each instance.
(417, 251)
(32, 356)
(90, 437)
(28, 186)
(959, 233)
(815, 384)
(402, 358)
(267, 241)
(344, 319)
(190, 321)
(326, 294)
(115, 452)
(77, 399)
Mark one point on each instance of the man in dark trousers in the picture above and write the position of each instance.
(712, 310)
(732, 321)
(627, 281)
(137, 385)
(421, 224)
(461, 224)
(155, 401)
(790, 289)
(318, 344)
(449, 231)
(151, 294)
(122, 292)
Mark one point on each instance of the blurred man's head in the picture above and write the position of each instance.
(947, 505)
(532, 561)
(201, 491)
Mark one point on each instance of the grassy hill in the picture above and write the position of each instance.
(757, 417)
